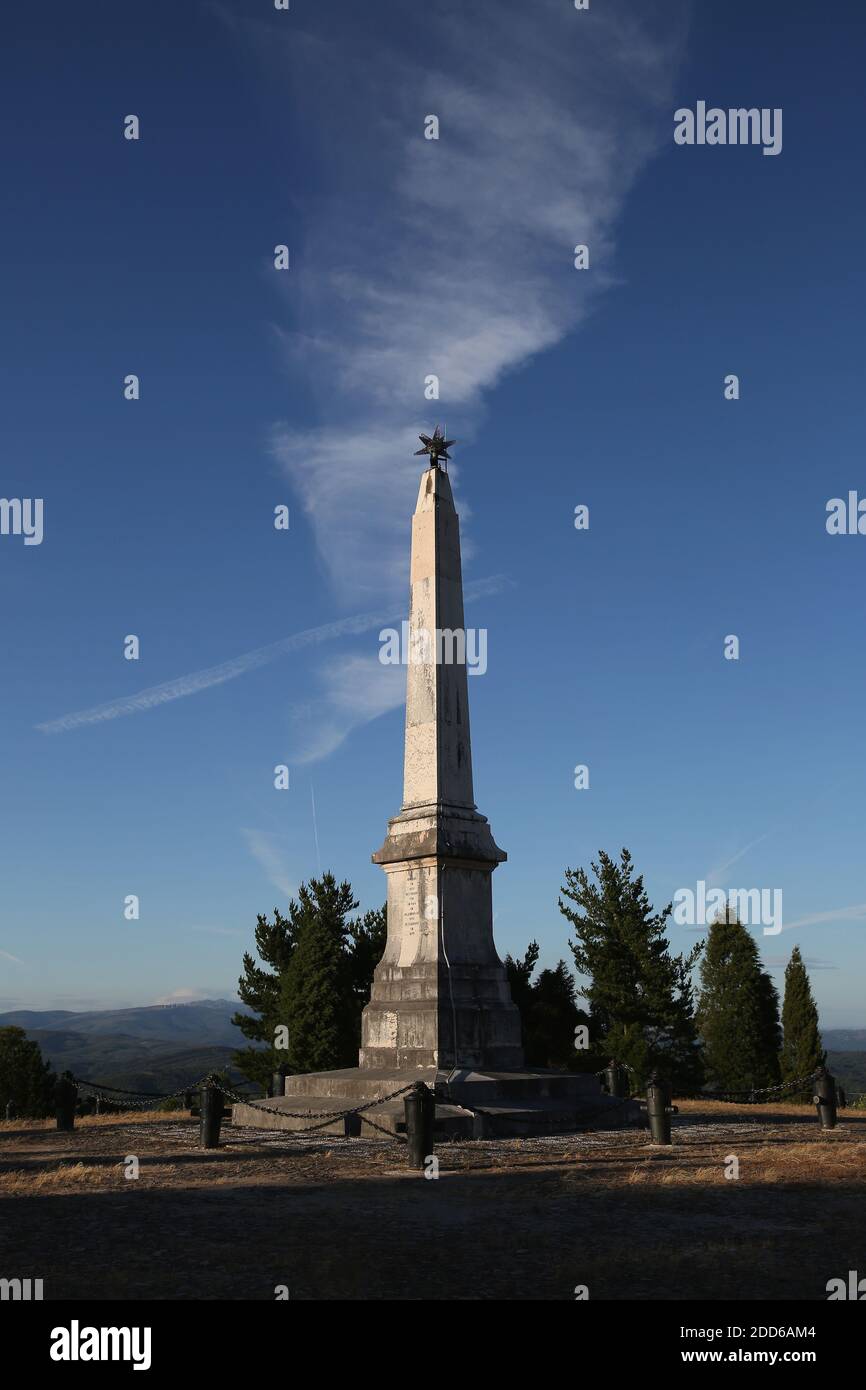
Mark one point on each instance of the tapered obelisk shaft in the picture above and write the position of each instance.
(438, 760)
(440, 995)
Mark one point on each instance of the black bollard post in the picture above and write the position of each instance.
(65, 1099)
(841, 1099)
(420, 1107)
(659, 1109)
(211, 1114)
(616, 1079)
(10, 1110)
(278, 1080)
(825, 1098)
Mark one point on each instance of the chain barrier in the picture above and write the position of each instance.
(144, 1099)
(329, 1116)
(799, 1083)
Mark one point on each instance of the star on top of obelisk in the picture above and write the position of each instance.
(437, 447)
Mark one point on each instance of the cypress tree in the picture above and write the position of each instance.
(318, 1001)
(738, 1011)
(802, 1052)
(640, 996)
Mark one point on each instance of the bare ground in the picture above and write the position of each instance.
(509, 1219)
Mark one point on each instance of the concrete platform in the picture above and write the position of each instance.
(470, 1104)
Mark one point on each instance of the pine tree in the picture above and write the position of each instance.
(260, 990)
(25, 1078)
(520, 974)
(640, 996)
(549, 1013)
(738, 1011)
(553, 1019)
(802, 1052)
(318, 998)
(362, 944)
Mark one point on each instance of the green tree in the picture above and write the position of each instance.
(259, 989)
(25, 1078)
(802, 1052)
(549, 1012)
(738, 1011)
(640, 996)
(336, 950)
(520, 974)
(318, 998)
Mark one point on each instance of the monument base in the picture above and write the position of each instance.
(470, 1104)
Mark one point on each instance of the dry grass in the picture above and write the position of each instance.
(23, 1181)
(511, 1219)
(123, 1117)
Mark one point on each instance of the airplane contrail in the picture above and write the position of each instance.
(195, 681)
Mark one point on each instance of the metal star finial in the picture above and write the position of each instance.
(437, 446)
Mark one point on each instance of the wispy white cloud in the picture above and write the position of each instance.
(180, 996)
(270, 852)
(810, 962)
(857, 912)
(355, 692)
(450, 257)
(7, 955)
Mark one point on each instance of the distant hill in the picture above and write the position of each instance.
(849, 1069)
(845, 1039)
(157, 1048)
(197, 1023)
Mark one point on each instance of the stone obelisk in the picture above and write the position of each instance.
(440, 995)
(440, 1009)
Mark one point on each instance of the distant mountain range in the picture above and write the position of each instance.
(844, 1039)
(158, 1048)
(164, 1046)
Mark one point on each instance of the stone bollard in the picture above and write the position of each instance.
(616, 1079)
(659, 1109)
(420, 1107)
(825, 1098)
(100, 1109)
(65, 1100)
(211, 1115)
(10, 1110)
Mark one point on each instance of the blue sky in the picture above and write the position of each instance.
(306, 388)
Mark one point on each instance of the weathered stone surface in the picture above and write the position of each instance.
(469, 1103)
(440, 996)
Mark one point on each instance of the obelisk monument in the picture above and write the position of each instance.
(440, 1009)
(440, 996)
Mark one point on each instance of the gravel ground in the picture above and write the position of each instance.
(333, 1218)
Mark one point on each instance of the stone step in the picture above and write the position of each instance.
(502, 1118)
